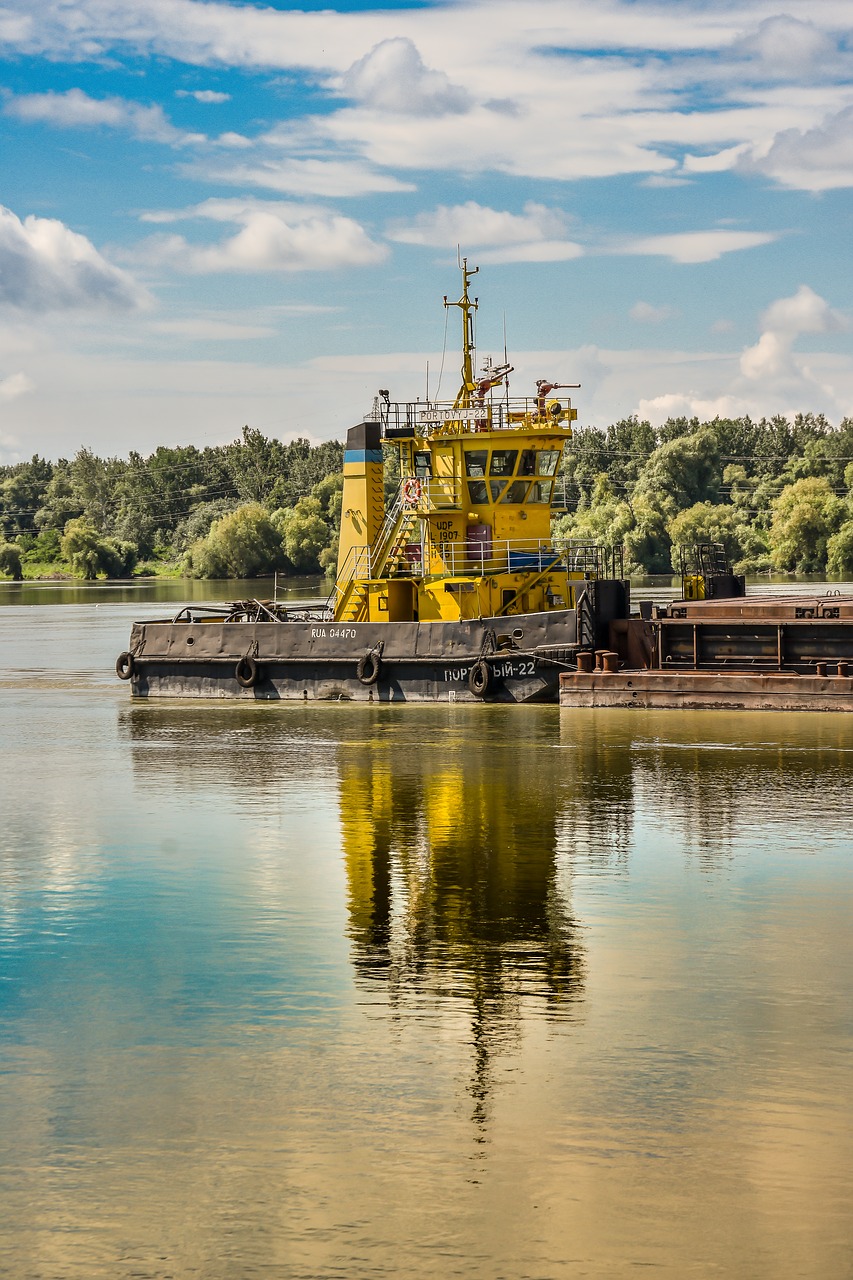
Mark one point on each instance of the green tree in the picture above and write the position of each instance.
(604, 518)
(10, 561)
(684, 470)
(839, 559)
(647, 543)
(243, 544)
(305, 534)
(744, 544)
(22, 489)
(90, 555)
(255, 463)
(805, 516)
(198, 523)
(59, 502)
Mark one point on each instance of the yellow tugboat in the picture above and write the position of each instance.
(456, 591)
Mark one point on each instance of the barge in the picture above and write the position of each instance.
(454, 591)
(717, 648)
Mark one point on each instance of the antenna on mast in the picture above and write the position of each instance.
(467, 307)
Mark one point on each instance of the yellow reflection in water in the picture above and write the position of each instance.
(452, 883)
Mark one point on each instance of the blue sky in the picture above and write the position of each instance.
(223, 213)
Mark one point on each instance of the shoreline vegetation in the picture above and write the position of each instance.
(777, 493)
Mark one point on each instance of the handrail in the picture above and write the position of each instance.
(368, 562)
(424, 417)
(519, 555)
(530, 556)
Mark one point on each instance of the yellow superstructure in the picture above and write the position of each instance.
(468, 534)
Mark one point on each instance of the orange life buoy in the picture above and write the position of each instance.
(411, 492)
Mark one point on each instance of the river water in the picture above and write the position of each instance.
(379, 991)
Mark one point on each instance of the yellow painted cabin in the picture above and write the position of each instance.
(468, 534)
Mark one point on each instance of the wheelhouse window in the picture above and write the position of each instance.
(475, 461)
(497, 487)
(503, 462)
(423, 465)
(547, 461)
(527, 466)
(477, 491)
(515, 492)
(540, 491)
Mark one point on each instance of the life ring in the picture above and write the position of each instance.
(480, 678)
(247, 672)
(125, 665)
(369, 667)
(412, 492)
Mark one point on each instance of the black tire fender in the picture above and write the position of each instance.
(480, 678)
(369, 667)
(247, 672)
(125, 665)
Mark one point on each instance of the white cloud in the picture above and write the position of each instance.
(817, 159)
(718, 161)
(232, 141)
(230, 209)
(689, 405)
(211, 329)
(272, 237)
(664, 180)
(97, 395)
(14, 385)
(203, 95)
(330, 179)
(784, 46)
(697, 246)
(561, 110)
(537, 251)
(647, 313)
(44, 266)
(476, 224)
(767, 378)
(75, 109)
(393, 77)
(783, 322)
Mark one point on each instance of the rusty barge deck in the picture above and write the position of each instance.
(764, 652)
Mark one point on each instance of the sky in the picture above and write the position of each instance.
(224, 214)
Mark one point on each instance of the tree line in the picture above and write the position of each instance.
(777, 493)
(237, 510)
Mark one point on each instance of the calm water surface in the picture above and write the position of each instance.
(354, 992)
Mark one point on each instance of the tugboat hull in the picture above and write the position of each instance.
(517, 659)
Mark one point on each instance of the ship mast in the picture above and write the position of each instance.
(466, 306)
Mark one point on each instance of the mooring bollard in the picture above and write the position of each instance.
(585, 661)
(820, 669)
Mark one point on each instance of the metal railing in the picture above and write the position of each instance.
(422, 417)
(431, 493)
(523, 555)
(369, 562)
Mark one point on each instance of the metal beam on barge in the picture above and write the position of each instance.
(707, 691)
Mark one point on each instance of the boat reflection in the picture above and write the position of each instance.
(453, 887)
(448, 832)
